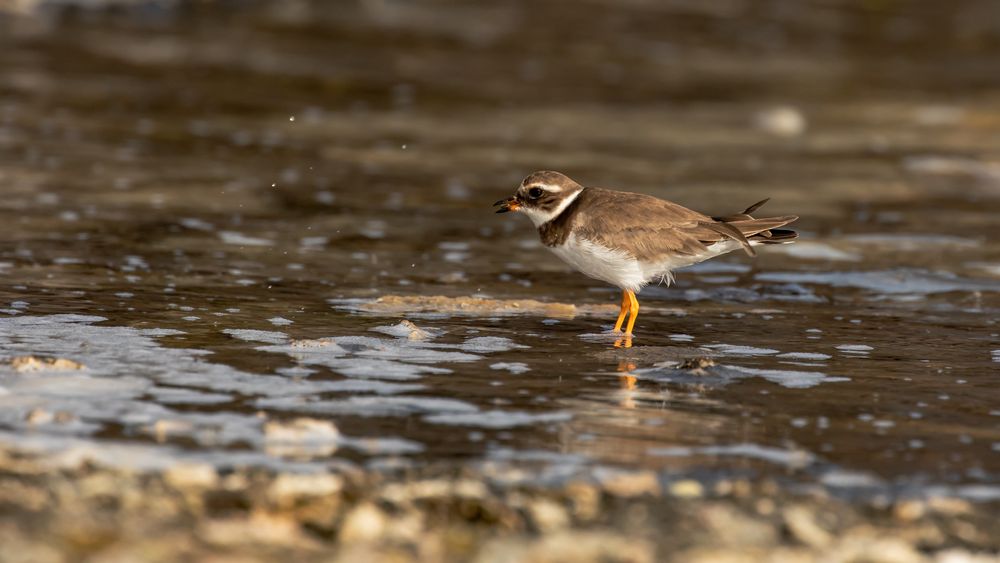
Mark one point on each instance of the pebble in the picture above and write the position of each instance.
(631, 484)
(365, 523)
(186, 476)
(687, 488)
(801, 523)
(26, 364)
(287, 488)
(548, 515)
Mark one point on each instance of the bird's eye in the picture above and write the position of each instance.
(535, 193)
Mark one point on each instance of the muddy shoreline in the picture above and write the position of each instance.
(82, 511)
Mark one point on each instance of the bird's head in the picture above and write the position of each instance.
(542, 196)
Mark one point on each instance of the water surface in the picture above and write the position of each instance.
(221, 228)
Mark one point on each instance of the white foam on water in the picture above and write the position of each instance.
(840, 478)
(804, 356)
(130, 380)
(239, 239)
(488, 344)
(196, 224)
(497, 418)
(781, 456)
(406, 329)
(280, 321)
(370, 405)
(513, 367)
(855, 347)
(737, 350)
(254, 335)
(789, 378)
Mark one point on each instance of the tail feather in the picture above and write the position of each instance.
(745, 229)
(774, 236)
(727, 230)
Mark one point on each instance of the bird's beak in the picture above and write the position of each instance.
(509, 204)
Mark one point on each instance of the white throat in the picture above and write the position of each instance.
(539, 217)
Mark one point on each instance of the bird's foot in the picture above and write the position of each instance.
(624, 341)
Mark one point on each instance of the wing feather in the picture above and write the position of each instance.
(650, 228)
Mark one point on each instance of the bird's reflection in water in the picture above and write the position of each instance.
(627, 382)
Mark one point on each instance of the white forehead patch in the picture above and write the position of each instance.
(546, 187)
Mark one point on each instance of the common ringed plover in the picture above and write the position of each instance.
(630, 240)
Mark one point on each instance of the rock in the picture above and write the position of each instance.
(630, 483)
(586, 500)
(401, 493)
(185, 476)
(287, 488)
(364, 523)
(862, 547)
(38, 416)
(949, 505)
(303, 437)
(696, 365)
(413, 331)
(732, 527)
(569, 547)
(408, 304)
(165, 428)
(406, 329)
(801, 523)
(27, 364)
(686, 488)
(548, 515)
(327, 344)
(710, 555)
(259, 528)
(963, 556)
(909, 510)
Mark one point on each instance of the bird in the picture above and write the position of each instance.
(629, 239)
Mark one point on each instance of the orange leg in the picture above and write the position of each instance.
(621, 315)
(630, 305)
(633, 312)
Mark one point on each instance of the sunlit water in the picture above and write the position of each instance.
(206, 231)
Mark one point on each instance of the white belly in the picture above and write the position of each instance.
(620, 269)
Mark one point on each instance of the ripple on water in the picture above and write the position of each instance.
(887, 282)
(722, 375)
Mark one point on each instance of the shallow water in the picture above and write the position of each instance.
(215, 223)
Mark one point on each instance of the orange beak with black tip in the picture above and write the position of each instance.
(509, 204)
